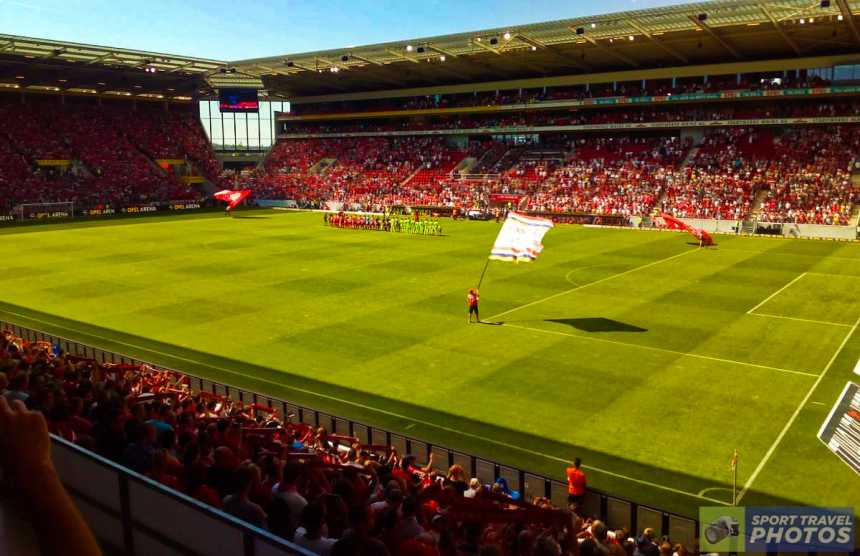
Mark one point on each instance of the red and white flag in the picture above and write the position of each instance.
(232, 197)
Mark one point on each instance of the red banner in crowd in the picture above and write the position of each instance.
(505, 198)
(232, 197)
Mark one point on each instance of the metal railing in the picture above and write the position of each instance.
(615, 511)
(134, 515)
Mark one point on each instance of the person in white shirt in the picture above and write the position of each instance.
(312, 533)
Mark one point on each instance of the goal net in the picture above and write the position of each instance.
(33, 211)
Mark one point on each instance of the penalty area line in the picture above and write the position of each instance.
(618, 275)
(381, 411)
(777, 292)
(794, 415)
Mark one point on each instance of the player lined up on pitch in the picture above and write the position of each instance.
(383, 223)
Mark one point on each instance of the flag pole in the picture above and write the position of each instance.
(481, 279)
(735, 478)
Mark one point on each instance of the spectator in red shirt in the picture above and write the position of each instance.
(576, 483)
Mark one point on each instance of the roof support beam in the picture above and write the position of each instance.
(612, 52)
(788, 40)
(363, 59)
(660, 44)
(486, 47)
(267, 68)
(534, 43)
(10, 45)
(101, 58)
(180, 67)
(332, 64)
(402, 56)
(845, 9)
(707, 28)
(444, 51)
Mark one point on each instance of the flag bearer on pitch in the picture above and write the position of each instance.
(472, 299)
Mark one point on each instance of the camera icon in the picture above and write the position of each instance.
(720, 528)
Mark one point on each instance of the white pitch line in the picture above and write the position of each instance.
(413, 420)
(800, 319)
(777, 292)
(794, 415)
(565, 292)
(663, 350)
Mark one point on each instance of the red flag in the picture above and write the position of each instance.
(675, 224)
(232, 197)
(704, 237)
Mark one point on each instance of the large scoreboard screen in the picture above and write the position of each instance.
(238, 100)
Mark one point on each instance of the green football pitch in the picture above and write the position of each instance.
(649, 358)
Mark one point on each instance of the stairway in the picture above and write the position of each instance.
(691, 154)
(322, 166)
(758, 201)
(466, 165)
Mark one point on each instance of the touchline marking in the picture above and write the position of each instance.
(777, 292)
(797, 411)
(799, 319)
(565, 292)
(374, 409)
(664, 350)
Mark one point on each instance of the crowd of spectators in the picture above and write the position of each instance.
(757, 82)
(331, 494)
(107, 155)
(96, 154)
(799, 174)
(588, 116)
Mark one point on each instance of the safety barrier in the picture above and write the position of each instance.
(616, 512)
(134, 515)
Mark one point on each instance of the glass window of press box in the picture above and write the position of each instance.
(241, 131)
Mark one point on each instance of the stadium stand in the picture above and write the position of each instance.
(298, 481)
(98, 153)
(774, 145)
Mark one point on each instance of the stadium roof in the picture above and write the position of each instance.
(682, 35)
(698, 33)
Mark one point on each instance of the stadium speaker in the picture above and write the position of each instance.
(702, 16)
(420, 50)
(344, 58)
(825, 3)
(494, 40)
(290, 64)
(580, 30)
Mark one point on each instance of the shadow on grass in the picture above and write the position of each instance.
(622, 477)
(599, 324)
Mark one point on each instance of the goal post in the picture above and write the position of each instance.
(33, 211)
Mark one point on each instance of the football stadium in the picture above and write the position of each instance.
(586, 287)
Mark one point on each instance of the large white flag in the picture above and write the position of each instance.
(520, 238)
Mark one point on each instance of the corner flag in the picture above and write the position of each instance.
(231, 197)
(520, 238)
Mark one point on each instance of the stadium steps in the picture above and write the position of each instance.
(489, 159)
(758, 201)
(410, 176)
(322, 166)
(691, 155)
(466, 165)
